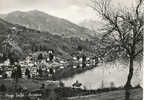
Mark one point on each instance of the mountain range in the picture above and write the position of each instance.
(93, 25)
(26, 41)
(25, 33)
(42, 21)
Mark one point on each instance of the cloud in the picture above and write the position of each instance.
(11, 5)
(6, 5)
(75, 13)
(73, 10)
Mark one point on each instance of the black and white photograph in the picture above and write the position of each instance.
(71, 49)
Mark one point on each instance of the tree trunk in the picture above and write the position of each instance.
(15, 89)
(128, 83)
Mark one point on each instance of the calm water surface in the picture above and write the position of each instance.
(115, 72)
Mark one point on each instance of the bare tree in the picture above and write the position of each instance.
(124, 29)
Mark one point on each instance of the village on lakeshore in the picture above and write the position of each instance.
(44, 65)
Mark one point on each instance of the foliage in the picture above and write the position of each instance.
(27, 72)
(3, 88)
(39, 72)
(61, 84)
(40, 56)
(83, 61)
(51, 56)
(17, 73)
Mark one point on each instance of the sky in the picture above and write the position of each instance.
(74, 10)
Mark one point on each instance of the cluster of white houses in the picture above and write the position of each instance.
(45, 65)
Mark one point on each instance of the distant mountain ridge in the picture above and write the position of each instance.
(42, 21)
(94, 25)
(29, 40)
(91, 24)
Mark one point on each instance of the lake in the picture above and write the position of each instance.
(106, 73)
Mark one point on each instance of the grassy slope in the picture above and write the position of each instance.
(136, 94)
(29, 39)
(29, 84)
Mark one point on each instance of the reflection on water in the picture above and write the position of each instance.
(115, 72)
